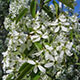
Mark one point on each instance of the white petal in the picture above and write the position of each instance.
(48, 65)
(69, 45)
(42, 69)
(45, 37)
(64, 29)
(9, 71)
(15, 33)
(36, 26)
(48, 56)
(21, 41)
(62, 54)
(55, 53)
(50, 48)
(57, 29)
(62, 19)
(51, 57)
(34, 37)
(58, 48)
(39, 32)
(38, 39)
(58, 74)
(35, 69)
(31, 62)
(68, 53)
(66, 24)
(43, 28)
(5, 53)
(38, 53)
(54, 24)
(62, 16)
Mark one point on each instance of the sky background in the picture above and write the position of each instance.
(77, 7)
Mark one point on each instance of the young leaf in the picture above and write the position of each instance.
(68, 3)
(33, 8)
(23, 13)
(56, 7)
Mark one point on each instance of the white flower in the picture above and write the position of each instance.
(5, 53)
(48, 65)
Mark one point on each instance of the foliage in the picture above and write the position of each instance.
(39, 47)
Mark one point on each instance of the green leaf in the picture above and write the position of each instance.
(38, 46)
(29, 52)
(35, 76)
(48, 11)
(47, 1)
(9, 77)
(56, 7)
(68, 3)
(71, 34)
(24, 65)
(78, 64)
(33, 8)
(24, 72)
(22, 13)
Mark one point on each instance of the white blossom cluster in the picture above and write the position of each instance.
(47, 40)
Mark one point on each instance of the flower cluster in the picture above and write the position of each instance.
(40, 42)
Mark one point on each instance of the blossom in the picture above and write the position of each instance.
(53, 36)
(41, 68)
